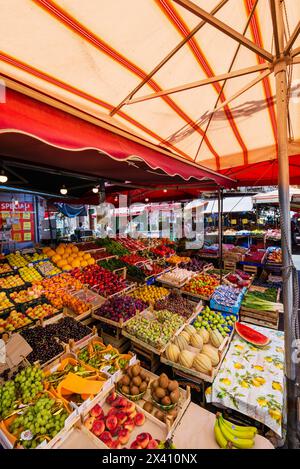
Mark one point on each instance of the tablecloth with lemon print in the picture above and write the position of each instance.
(251, 380)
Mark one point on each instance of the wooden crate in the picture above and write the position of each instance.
(229, 265)
(250, 269)
(152, 359)
(259, 322)
(120, 342)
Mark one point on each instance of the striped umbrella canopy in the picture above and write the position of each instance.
(194, 78)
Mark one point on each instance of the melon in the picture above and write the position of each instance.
(251, 335)
(186, 335)
(212, 353)
(204, 334)
(202, 363)
(186, 358)
(216, 338)
(190, 329)
(196, 341)
(181, 342)
(172, 353)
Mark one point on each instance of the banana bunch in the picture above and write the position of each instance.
(233, 436)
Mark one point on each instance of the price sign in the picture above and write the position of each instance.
(233, 222)
(26, 215)
(209, 220)
(27, 225)
(17, 237)
(27, 237)
(245, 221)
(17, 227)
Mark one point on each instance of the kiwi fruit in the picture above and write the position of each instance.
(155, 384)
(136, 369)
(143, 375)
(172, 386)
(134, 390)
(148, 407)
(166, 400)
(129, 372)
(160, 393)
(143, 386)
(125, 380)
(174, 396)
(163, 381)
(160, 415)
(137, 381)
(125, 389)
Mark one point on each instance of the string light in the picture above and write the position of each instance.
(63, 190)
(3, 177)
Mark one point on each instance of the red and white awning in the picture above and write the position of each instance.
(129, 65)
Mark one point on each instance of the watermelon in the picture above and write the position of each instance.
(251, 335)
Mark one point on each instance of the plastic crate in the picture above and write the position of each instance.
(228, 309)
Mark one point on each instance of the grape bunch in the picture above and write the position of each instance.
(29, 383)
(45, 418)
(8, 397)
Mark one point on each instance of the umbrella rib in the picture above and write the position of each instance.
(292, 39)
(166, 59)
(229, 70)
(216, 23)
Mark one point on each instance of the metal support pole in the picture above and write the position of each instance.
(284, 201)
(220, 230)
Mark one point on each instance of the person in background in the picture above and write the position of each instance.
(78, 232)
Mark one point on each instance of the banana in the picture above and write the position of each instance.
(220, 439)
(238, 442)
(239, 431)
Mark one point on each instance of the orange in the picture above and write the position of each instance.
(81, 253)
(56, 258)
(91, 261)
(75, 264)
(87, 256)
(83, 264)
(74, 248)
(67, 267)
(62, 263)
(51, 253)
(60, 250)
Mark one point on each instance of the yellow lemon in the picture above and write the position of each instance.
(268, 359)
(225, 381)
(244, 384)
(258, 367)
(238, 366)
(279, 366)
(275, 414)
(279, 349)
(239, 347)
(256, 382)
(262, 402)
(277, 386)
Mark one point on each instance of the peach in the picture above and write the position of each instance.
(120, 402)
(106, 438)
(112, 411)
(129, 424)
(88, 423)
(117, 430)
(143, 440)
(111, 398)
(139, 419)
(122, 417)
(132, 415)
(97, 411)
(130, 408)
(135, 445)
(98, 427)
(152, 444)
(115, 445)
(111, 422)
(124, 436)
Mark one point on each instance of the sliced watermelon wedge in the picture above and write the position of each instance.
(251, 335)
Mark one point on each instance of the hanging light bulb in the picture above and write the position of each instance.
(116, 198)
(165, 190)
(146, 199)
(63, 190)
(95, 189)
(3, 177)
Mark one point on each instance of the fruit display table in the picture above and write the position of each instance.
(251, 380)
(190, 435)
